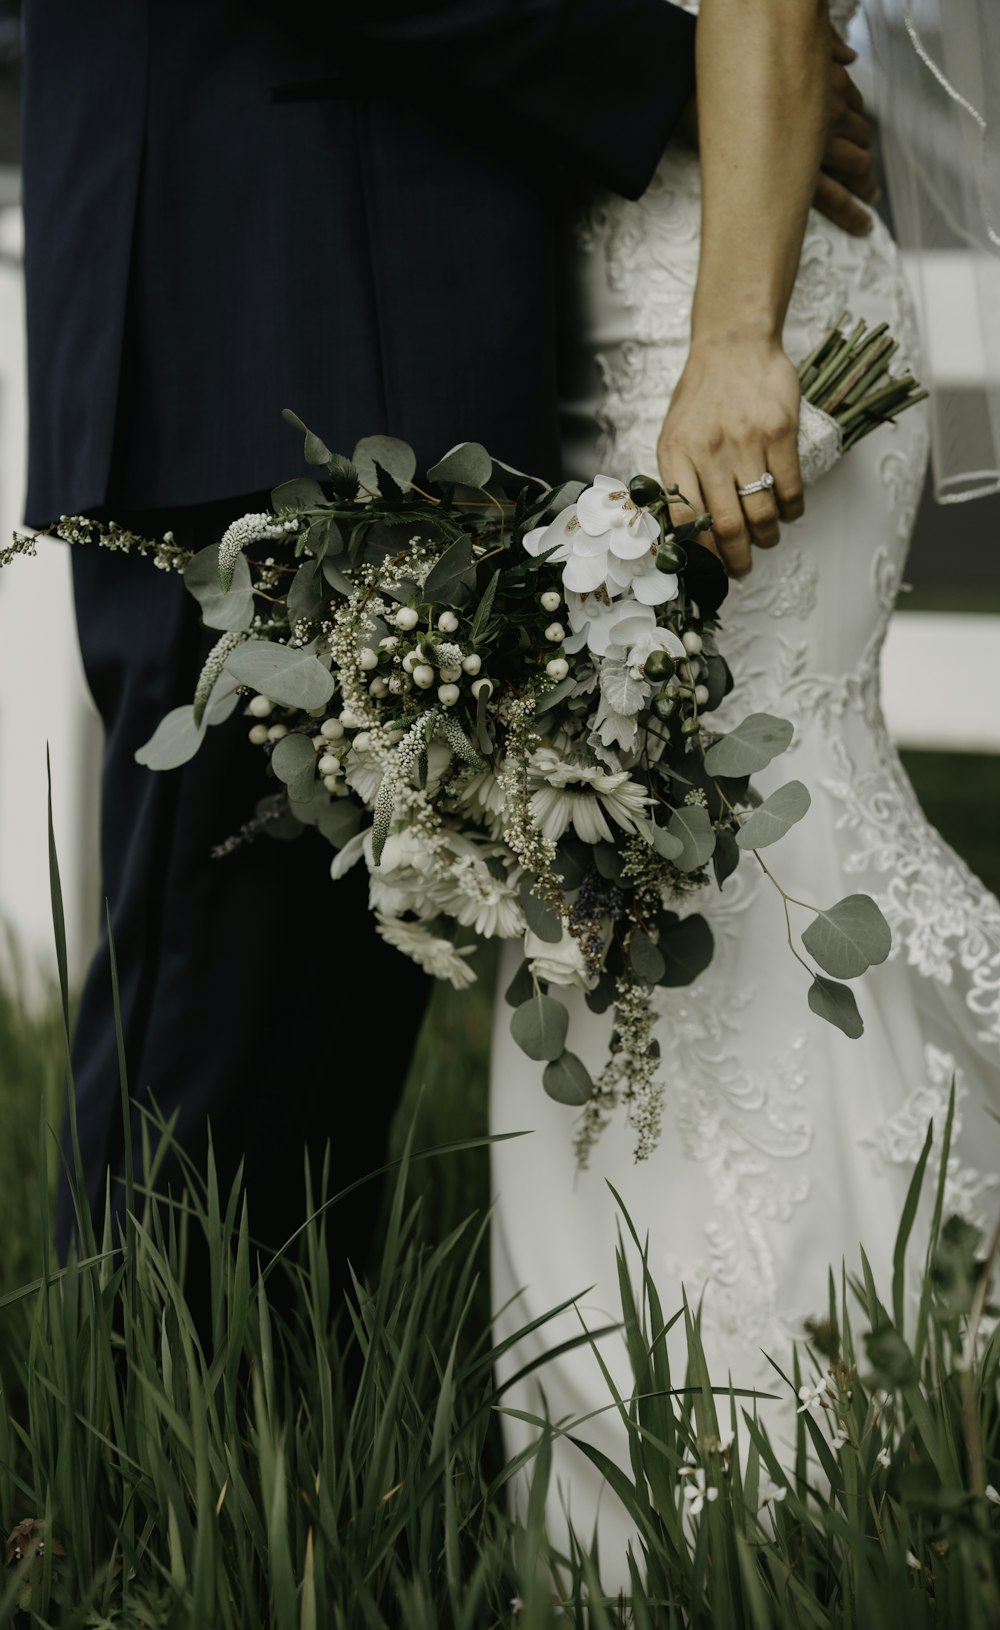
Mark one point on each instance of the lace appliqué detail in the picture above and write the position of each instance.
(899, 1140)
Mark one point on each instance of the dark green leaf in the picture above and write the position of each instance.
(836, 1004)
(466, 465)
(343, 477)
(542, 918)
(567, 1080)
(539, 1027)
(452, 578)
(603, 994)
(376, 457)
(294, 762)
(691, 824)
(687, 949)
(483, 609)
(521, 987)
(301, 493)
(849, 938)
(316, 451)
(725, 856)
(305, 597)
(339, 821)
(646, 959)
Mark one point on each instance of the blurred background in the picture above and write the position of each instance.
(941, 673)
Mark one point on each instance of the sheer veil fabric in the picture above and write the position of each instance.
(785, 1145)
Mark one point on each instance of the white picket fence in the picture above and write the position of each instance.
(940, 688)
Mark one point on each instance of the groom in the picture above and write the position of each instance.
(233, 206)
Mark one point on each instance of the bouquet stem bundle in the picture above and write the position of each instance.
(848, 377)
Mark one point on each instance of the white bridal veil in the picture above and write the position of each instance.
(937, 68)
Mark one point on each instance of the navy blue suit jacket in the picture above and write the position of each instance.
(234, 206)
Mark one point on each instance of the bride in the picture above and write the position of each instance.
(784, 1143)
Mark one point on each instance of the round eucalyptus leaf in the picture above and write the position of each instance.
(175, 740)
(541, 917)
(539, 1027)
(305, 596)
(567, 1080)
(687, 949)
(396, 457)
(775, 816)
(667, 844)
(452, 578)
(750, 747)
(692, 826)
(603, 994)
(316, 450)
(836, 1004)
(294, 762)
(227, 609)
(466, 465)
(646, 958)
(849, 938)
(300, 493)
(293, 678)
(725, 857)
(521, 987)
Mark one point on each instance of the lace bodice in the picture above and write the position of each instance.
(841, 11)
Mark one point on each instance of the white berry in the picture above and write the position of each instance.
(378, 688)
(448, 695)
(350, 721)
(423, 675)
(701, 694)
(551, 600)
(481, 686)
(260, 706)
(258, 734)
(558, 668)
(389, 643)
(447, 622)
(367, 659)
(331, 783)
(472, 664)
(406, 618)
(691, 640)
(556, 633)
(277, 731)
(450, 675)
(332, 729)
(410, 661)
(362, 741)
(328, 765)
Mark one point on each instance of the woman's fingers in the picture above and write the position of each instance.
(783, 463)
(759, 508)
(678, 470)
(729, 521)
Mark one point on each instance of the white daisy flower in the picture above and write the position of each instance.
(438, 957)
(565, 794)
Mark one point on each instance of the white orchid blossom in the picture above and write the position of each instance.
(604, 538)
(598, 623)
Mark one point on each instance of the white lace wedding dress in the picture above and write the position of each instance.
(785, 1144)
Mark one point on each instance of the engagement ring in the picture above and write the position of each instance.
(763, 485)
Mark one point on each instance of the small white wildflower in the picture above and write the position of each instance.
(841, 1436)
(696, 1493)
(992, 1495)
(812, 1396)
(884, 1457)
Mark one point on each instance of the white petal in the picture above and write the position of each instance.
(582, 573)
(588, 820)
(654, 588)
(631, 542)
(346, 857)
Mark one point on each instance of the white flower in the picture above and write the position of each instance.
(769, 1492)
(914, 1561)
(841, 1436)
(559, 964)
(654, 639)
(436, 956)
(812, 1395)
(992, 1495)
(598, 622)
(603, 530)
(696, 1493)
(567, 794)
(884, 1457)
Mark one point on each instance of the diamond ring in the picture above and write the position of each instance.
(765, 483)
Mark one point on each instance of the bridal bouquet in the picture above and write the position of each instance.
(498, 697)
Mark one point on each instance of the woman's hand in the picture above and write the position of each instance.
(733, 416)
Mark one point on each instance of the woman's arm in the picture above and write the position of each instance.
(763, 86)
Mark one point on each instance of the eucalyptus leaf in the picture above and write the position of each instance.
(229, 610)
(337, 578)
(775, 816)
(725, 856)
(836, 1004)
(567, 1080)
(539, 1027)
(452, 578)
(849, 938)
(687, 948)
(301, 493)
(396, 458)
(602, 996)
(293, 678)
(305, 597)
(175, 740)
(750, 747)
(691, 824)
(316, 450)
(646, 958)
(668, 845)
(466, 465)
(521, 987)
(294, 762)
(541, 917)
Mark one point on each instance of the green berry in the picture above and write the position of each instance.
(643, 490)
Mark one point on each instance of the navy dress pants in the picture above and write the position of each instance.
(257, 998)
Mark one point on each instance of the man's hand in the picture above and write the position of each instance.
(847, 172)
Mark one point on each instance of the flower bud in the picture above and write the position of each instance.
(258, 734)
(423, 675)
(664, 705)
(551, 600)
(555, 633)
(260, 706)
(643, 490)
(277, 731)
(673, 491)
(448, 695)
(558, 668)
(658, 665)
(329, 765)
(472, 664)
(367, 659)
(691, 641)
(447, 622)
(406, 618)
(481, 686)
(670, 557)
(332, 729)
(689, 726)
